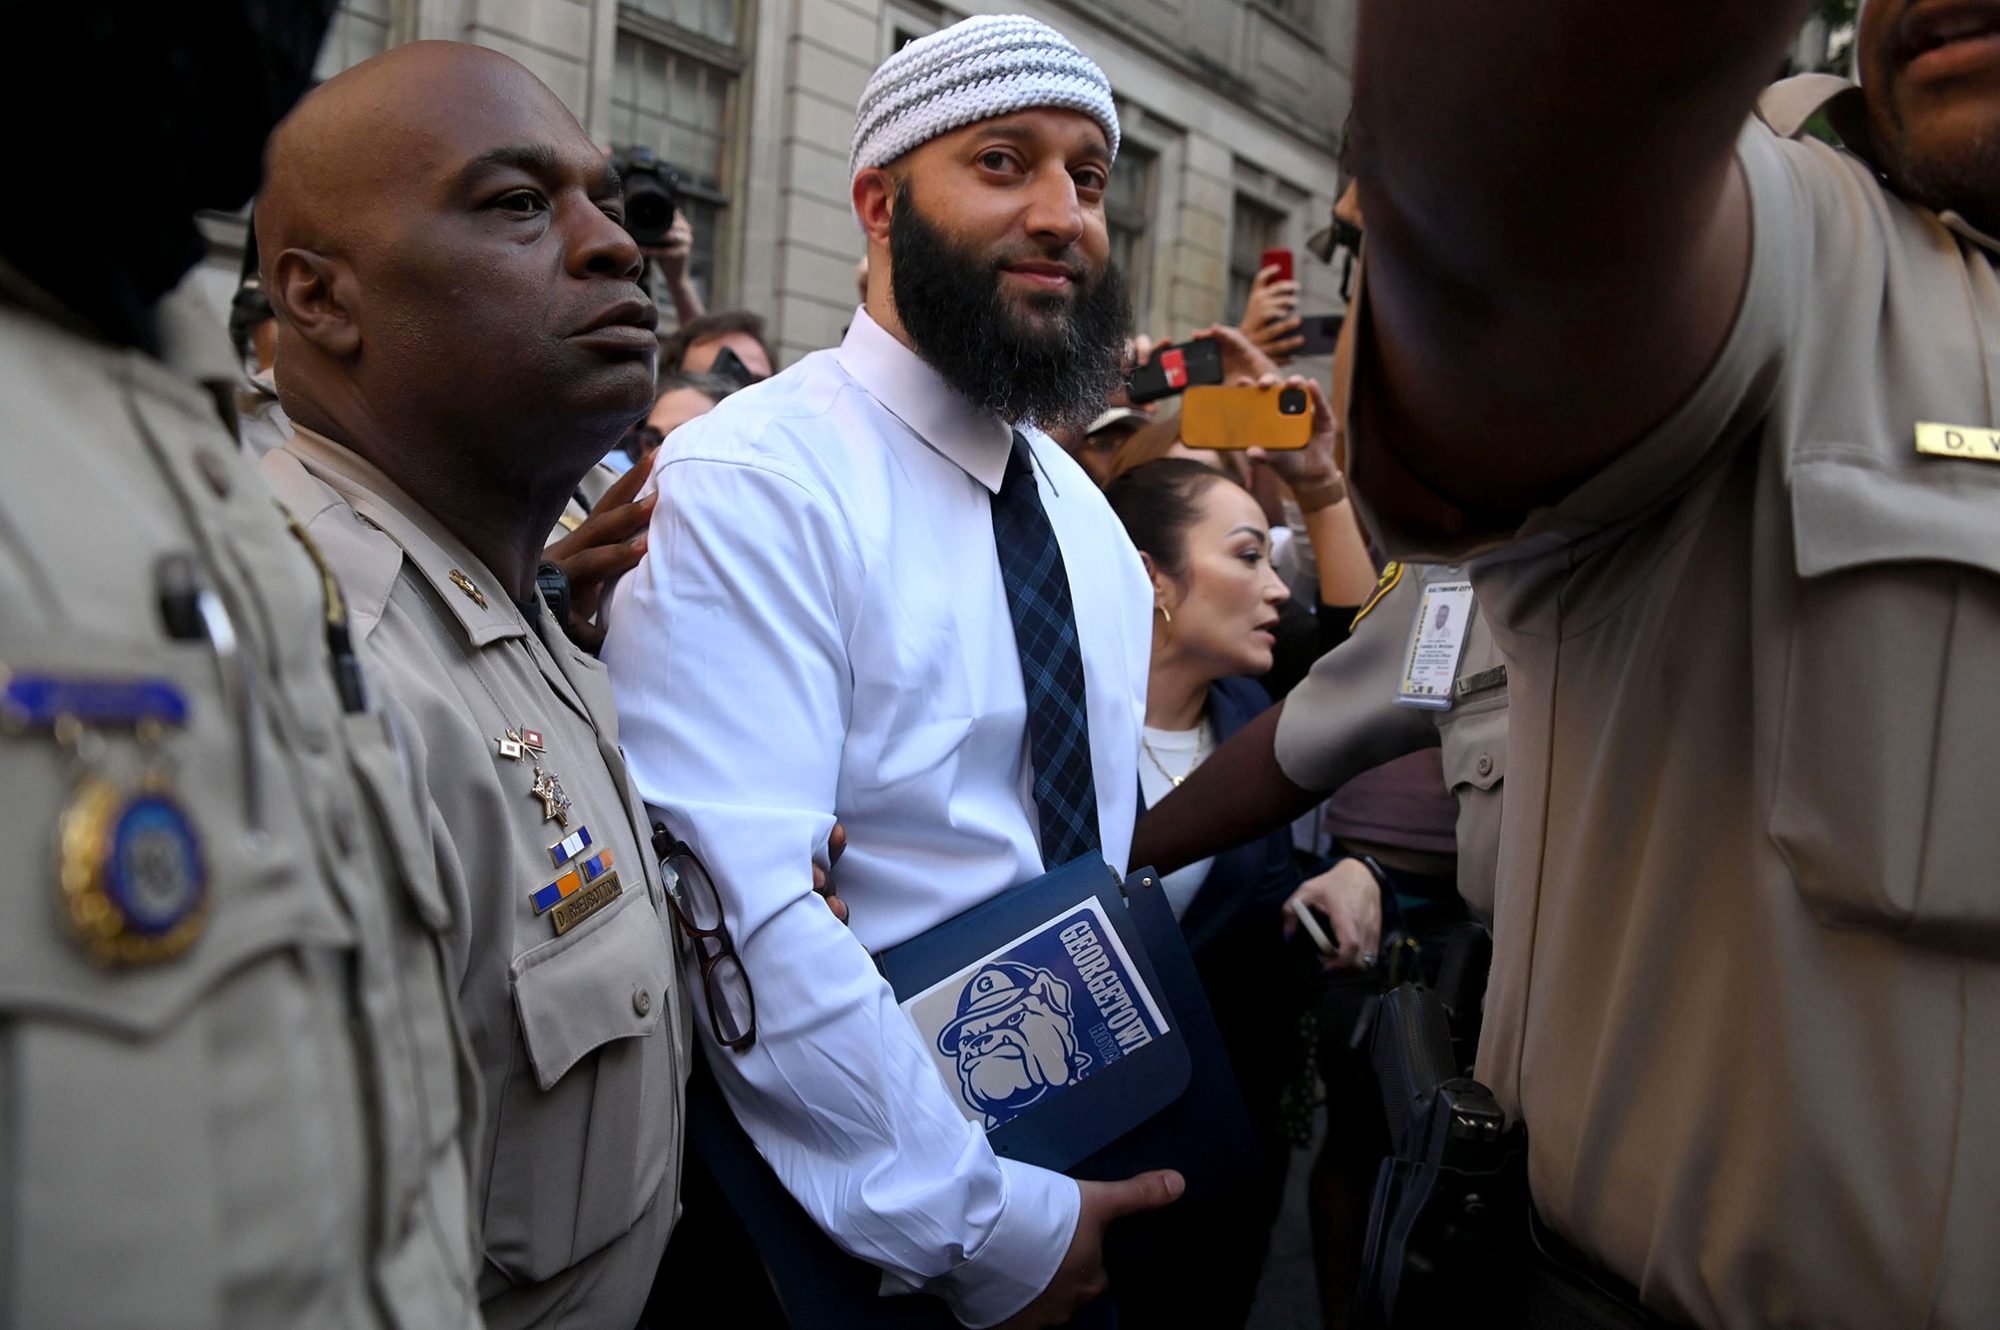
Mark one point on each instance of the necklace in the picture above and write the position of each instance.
(1200, 743)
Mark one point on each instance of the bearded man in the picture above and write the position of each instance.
(875, 588)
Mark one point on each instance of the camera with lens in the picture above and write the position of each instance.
(652, 194)
(1293, 402)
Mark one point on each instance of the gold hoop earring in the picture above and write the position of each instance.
(1166, 613)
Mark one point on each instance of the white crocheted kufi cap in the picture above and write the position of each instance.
(990, 65)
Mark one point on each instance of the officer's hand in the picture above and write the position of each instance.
(607, 545)
(1080, 1277)
(836, 845)
(1348, 895)
(1271, 317)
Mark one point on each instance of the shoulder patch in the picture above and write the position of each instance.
(1392, 573)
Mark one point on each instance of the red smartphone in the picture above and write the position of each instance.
(1281, 259)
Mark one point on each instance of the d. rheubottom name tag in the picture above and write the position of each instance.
(1048, 1010)
(579, 907)
(1971, 442)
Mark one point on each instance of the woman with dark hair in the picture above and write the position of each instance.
(1206, 545)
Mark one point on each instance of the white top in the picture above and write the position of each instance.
(819, 629)
(1180, 752)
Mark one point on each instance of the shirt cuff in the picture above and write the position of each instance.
(1022, 1252)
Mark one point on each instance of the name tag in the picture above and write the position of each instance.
(1437, 642)
(1969, 441)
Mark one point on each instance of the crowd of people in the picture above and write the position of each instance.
(487, 761)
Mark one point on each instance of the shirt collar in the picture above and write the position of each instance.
(462, 582)
(977, 441)
(1786, 106)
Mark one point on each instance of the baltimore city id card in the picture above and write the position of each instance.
(1043, 1016)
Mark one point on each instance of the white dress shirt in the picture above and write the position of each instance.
(819, 630)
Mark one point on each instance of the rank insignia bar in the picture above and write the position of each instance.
(570, 846)
(556, 892)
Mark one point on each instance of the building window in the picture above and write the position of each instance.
(360, 29)
(1254, 227)
(676, 75)
(1128, 216)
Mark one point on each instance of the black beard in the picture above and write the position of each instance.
(966, 328)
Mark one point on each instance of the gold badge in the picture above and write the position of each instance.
(1972, 442)
(576, 908)
(131, 871)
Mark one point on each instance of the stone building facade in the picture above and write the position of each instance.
(1232, 111)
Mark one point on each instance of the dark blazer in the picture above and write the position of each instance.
(1247, 885)
(1197, 1264)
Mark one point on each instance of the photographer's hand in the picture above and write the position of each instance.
(672, 259)
(1271, 319)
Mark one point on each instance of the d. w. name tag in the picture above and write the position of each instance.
(585, 903)
(1969, 441)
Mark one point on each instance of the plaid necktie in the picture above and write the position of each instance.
(1038, 599)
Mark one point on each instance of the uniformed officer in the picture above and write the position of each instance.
(463, 337)
(1710, 410)
(230, 1089)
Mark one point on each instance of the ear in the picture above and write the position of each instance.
(874, 195)
(317, 296)
(1163, 586)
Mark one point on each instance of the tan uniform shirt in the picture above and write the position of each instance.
(260, 1121)
(580, 1036)
(1343, 718)
(1746, 988)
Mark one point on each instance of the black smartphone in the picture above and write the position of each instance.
(1321, 331)
(730, 366)
(1176, 367)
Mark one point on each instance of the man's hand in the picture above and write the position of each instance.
(836, 845)
(1271, 319)
(603, 548)
(1350, 898)
(1080, 1278)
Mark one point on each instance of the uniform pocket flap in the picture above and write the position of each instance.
(1475, 743)
(605, 980)
(1851, 510)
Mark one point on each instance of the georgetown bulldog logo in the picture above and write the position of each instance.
(1014, 1038)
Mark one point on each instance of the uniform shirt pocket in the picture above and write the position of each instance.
(1881, 802)
(588, 1118)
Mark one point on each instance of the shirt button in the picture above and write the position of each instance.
(215, 471)
(642, 1001)
(1485, 765)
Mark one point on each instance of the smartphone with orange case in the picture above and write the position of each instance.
(1277, 418)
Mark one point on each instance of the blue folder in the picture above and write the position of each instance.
(1167, 1101)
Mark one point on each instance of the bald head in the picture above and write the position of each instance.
(406, 118)
(454, 287)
